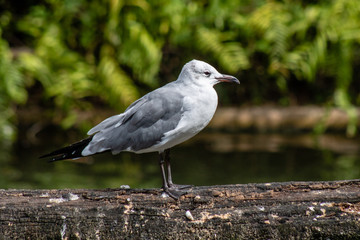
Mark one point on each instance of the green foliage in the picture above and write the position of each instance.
(12, 91)
(114, 81)
(230, 54)
(109, 50)
(312, 41)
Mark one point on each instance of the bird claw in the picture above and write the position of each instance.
(174, 192)
(179, 186)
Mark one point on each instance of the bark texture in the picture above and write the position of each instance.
(289, 210)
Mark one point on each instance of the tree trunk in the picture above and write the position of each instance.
(289, 210)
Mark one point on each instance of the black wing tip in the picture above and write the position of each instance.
(70, 152)
(54, 157)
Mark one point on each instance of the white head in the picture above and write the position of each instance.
(202, 73)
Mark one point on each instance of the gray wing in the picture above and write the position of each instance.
(118, 119)
(141, 126)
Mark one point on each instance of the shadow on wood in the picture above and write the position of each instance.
(301, 210)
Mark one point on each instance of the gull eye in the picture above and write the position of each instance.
(207, 73)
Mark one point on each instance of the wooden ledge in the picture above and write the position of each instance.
(288, 210)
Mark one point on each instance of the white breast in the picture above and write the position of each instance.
(199, 108)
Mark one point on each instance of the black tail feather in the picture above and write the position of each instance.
(70, 152)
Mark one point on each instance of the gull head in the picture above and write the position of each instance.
(201, 73)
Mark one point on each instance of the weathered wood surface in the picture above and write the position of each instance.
(275, 118)
(289, 210)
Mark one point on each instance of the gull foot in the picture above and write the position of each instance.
(179, 186)
(174, 192)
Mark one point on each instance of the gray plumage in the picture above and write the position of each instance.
(141, 126)
(158, 121)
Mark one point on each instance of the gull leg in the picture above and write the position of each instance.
(161, 163)
(169, 176)
(170, 191)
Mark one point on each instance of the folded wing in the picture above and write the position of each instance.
(141, 126)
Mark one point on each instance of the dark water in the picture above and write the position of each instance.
(211, 158)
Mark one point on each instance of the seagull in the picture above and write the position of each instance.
(157, 121)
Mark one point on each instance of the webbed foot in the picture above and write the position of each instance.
(179, 186)
(173, 192)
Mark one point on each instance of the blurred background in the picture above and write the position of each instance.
(67, 65)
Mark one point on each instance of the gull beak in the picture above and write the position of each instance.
(227, 78)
